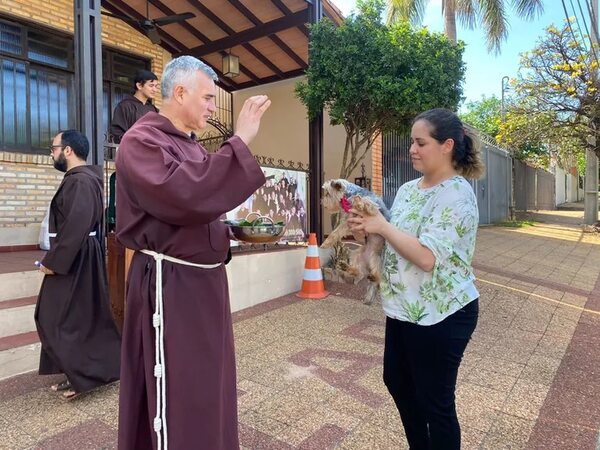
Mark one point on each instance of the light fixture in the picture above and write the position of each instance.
(231, 65)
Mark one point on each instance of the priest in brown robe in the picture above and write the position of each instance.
(133, 107)
(73, 318)
(178, 380)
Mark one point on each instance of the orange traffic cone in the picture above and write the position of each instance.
(312, 283)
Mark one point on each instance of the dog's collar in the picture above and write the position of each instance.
(345, 203)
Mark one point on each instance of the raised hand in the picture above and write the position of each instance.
(366, 224)
(249, 119)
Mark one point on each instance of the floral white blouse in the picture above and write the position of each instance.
(444, 218)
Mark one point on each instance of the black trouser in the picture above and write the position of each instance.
(420, 365)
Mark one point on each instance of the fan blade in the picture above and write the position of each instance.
(173, 19)
(153, 35)
(116, 16)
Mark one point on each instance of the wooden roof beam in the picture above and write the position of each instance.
(168, 42)
(289, 51)
(227, 29)
(267, 29)
(200, 36)
(256, 21)
(287, 11)
(250, 16)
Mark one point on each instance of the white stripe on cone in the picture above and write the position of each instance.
(313, 250)
(313, 274)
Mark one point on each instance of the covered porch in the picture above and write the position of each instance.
(271, 40)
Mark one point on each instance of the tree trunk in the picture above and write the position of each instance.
(450, 20)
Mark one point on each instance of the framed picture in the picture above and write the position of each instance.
(282, 198)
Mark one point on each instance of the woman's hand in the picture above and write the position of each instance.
(359, 236)
(367, 224)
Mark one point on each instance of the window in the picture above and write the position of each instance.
(13, 93)
(37, 85)
(51, 50)
(51, 105)
(10, 39)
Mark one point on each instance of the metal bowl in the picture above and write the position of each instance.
(261, 231)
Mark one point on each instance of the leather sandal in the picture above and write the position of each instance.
(62, 386)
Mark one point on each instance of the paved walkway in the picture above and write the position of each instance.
(309, 372)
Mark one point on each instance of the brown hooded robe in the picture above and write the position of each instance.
(171, 194)
(73, 318)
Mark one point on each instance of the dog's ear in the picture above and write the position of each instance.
(337, 185)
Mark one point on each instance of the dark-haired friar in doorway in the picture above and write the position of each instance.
(133, 107)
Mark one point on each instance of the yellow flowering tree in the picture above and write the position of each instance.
(557, 97)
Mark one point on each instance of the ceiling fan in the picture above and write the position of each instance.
(150, 26)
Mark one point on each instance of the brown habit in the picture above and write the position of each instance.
(79, 337)
(171, 194)
(128, 111)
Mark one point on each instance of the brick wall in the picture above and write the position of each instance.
(377, 162)
(28, 182)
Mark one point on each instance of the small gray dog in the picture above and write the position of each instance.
(339, 196)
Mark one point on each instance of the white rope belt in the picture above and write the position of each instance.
(93, 233)
(160, 367)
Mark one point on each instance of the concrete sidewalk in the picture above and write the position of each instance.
(309, 372)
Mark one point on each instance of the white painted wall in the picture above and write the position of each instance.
(27, 235)
(284, 131)
(20, 284)
(257, 277)
(567, 188)
(559, 177)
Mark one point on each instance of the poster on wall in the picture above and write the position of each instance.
(282, 198)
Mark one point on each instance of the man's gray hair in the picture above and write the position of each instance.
(180, 71)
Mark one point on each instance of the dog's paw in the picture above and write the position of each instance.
(328, 242)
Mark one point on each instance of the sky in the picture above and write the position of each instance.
(484, 70)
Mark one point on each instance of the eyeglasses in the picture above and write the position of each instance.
(52, 147)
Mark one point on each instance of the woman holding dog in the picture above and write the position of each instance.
(428, 291)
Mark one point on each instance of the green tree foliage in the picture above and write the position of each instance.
(484, 114)
(557, 102)
(373, 78)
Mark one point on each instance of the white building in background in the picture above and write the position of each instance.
(569, 185)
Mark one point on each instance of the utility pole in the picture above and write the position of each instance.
(511, 206)
(591, 160)
(505, 80)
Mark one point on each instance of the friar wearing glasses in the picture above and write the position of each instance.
(73, 318)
